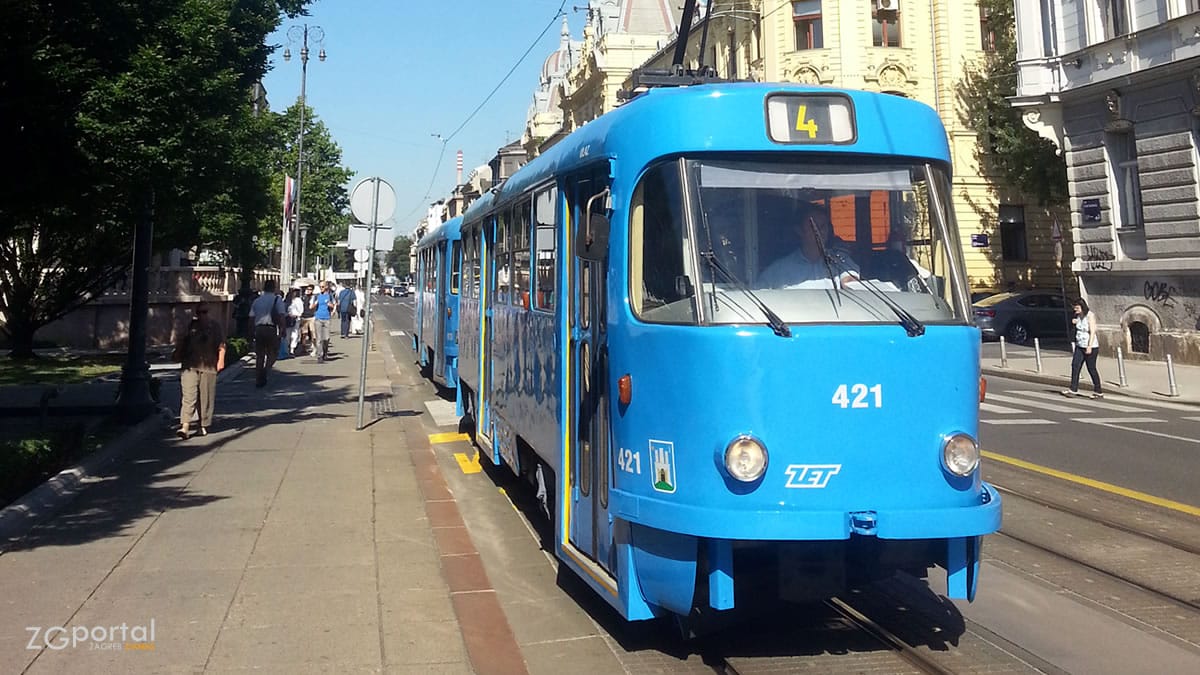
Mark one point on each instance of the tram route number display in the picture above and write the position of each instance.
(810, 118)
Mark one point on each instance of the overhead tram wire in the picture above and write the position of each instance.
(441, 154)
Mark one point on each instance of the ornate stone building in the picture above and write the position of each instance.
(1116, 84)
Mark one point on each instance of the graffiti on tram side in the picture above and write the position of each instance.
(1160, 292)
(1097, 259)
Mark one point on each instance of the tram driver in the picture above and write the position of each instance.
(806, 265)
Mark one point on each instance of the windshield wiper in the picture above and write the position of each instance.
(828, 259)
(912, 325)
(781, 329)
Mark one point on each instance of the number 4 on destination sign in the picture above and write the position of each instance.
(805, 124)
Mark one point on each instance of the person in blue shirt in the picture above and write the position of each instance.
(322, 305)
(805, 263)
(346, 309)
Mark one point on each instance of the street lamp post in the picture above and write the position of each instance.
(303, 248)
(300, 34)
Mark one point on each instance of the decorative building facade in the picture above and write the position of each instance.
(1116, 84)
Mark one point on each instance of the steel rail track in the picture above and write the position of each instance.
(1194, 549)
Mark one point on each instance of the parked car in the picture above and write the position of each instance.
(402, 290)
(1022, 316)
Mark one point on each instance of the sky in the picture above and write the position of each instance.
(399, 74)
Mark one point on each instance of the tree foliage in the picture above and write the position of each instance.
(110, 105)
(397, 258)
(324, 201)
(1007, 147)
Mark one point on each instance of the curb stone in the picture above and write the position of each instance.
(42, 502)
(1065, 381)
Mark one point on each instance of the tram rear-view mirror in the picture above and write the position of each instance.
(591, 243)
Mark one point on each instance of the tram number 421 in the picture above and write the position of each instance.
(629, 461)
(858, 396)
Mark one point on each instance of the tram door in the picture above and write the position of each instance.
(487, 285)
(439, 315)
(590, 530)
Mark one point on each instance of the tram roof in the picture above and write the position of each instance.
(443, 231)
(714, 118)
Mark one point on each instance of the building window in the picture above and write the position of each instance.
(1123, 164)
(885, 25)
(1012, 233)
(987, 34)
(1112, 18)
(806, 15)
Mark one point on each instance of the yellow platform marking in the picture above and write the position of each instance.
(468, 464)
(447, 437)
(1099, 485)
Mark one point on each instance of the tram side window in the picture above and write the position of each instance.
(662, 289)
(455, 267)
(520, 256)
(503, 271)
(544, 207)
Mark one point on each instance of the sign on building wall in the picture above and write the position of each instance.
(979, 241)
(1091, 210)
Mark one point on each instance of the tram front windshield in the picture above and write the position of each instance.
(829, 241)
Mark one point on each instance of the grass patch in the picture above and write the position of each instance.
(59, 369)
(31, 453)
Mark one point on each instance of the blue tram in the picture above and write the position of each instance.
(436, 302)
(725, 331)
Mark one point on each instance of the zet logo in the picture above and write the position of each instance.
(810, 475)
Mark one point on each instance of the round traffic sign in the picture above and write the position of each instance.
(361, 255)
(362, 200)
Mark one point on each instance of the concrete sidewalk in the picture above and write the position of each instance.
(1143, 379)
(284, 541)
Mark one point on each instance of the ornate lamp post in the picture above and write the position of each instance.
(300, 34)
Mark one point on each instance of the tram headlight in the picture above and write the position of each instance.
(746, 459)
(960, 454)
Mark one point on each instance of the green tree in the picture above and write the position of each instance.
(324, 200)
(108, 106)
(397, 258)
(1006, 146)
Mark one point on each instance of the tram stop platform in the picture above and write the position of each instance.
(283, 541)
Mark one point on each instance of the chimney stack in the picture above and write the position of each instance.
(458, 169)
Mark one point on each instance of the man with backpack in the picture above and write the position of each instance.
(346, 309)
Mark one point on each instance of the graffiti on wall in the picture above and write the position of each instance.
(1097, 259)
(1160, 292)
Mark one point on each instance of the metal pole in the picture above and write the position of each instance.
(1171, 376)
(1003, 353)
(366, 339)
(134, 402)
(304, 251)
(1121, 368)
(1037, 352)
(300, 143)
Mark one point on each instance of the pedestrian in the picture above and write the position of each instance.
(346, 309)
(356, 321)
(295, 308)
(322, 306)
(1086, 347)
(308, 338)
(267, 313)
(200, 351)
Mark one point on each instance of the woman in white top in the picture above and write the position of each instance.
(360, 303)
(295, 307)
(1087, 348)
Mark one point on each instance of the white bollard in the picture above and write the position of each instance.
(1171, 376)
(1121, 368)
(1037, 352)
(1003, 353)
